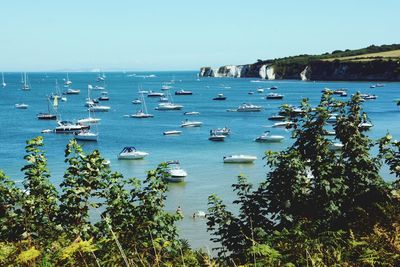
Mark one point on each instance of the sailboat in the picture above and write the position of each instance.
(142, 113)
(49, 115)
(67, 82)
(57, 93)
(2, 78)
(169, 105)
(89, 103)
(25, 83)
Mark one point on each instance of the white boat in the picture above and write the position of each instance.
(183, 92)
(163, 99)
(2, 79)
(365, 125)
(176, 173)
(220, 97)
(274, 96)
(25, 82)
(142, 113)
(216, 137)
(223, 131)
(21, 106)
(89, 120)
(335, 146)
(268, 138)
(137, 101)
(248, 108)
(191, 113)
(155, 94)
(239, 159)
(165, 87)
(69, 127)
(67, 81)
(172, 132)
(188, 124)
(86, 135)
(168, 106)
(276, 118)
(98, 88)
(104, 96)
(260, 90)
(47, 131)
(283, 124)
(130, 152)
(99, 108)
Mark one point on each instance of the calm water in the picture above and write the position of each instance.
(200, 157)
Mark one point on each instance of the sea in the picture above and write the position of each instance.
(201, 158)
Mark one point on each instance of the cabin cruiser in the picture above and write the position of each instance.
(274, 96)
(21, 106)
(183, 92)
(176, 173)
(172, 132)
(69, 127)
(248, 108)
(187, 124)
(141, 115)
(220, 97)
(169, 106)
(223, 131)
(268, 138)
(215, 136)
(130, 152)
(86, 135)
(72, 92)
(239, 159)
(155, 94)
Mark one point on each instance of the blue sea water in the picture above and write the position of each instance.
(201, 158)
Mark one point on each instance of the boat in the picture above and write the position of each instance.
(163, 99)
(268, 138)
(48, 115)
(216, 136)
(274, 96)
(130, 152)
(155, 94)
(89, 120)
(191, 113)
(273, 88)
(330, 133)
(276, 118)
(142, 113)
(86, 135)
(332, 118)
(137, 101)
(248, 108)
(25, 82)
(188, 124)
(98, 88)
(57, 93)
(47, 131)
(283, 124)
(260, 90)
(67, 81)
(335, 146)
(183, 92)
(101, 77)
(250, 93)
(172, 132)
(21, 106)
(103, 97)
(220, 97)
(69, 127)
(176, 173)
(99, 108)
(168, 106)
(72, 92)
(165, 87)
(223, 131)
(2, 79)
(365, 125)
(239, 159)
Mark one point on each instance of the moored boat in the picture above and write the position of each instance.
(268, 138)
(239, 159)
(130, 152)
(176, 173)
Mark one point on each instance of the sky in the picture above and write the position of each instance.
(48, 35)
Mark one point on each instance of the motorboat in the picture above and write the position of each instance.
(335, 146)
(163, 99)
(276, 118)
(165, 87)
(222, 131)
(89, 120)
(248, 108)
(216, 137)
(21, 106)
(103, 97)
(86, 135)
(332, 118)
(274, 96)
(220, 97)
(188, 124)
(99, 88)
(141, 115)
(191, 113)
(47, 131)
(72, 92)
(330, 133)
(283, 124)
(273, 88)
(268, 138)
(250, 93)
(183, 92)
(137, 101)
(143, 92)
(340, 91)
(168, 106)
(260, 90)
(99, 108)
(155, 94)
(172, 132)
(69, 127)
(365, 125)
(239, 159)
(130, 152)
(176, 173)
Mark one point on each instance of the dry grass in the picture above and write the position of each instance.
(394, 54)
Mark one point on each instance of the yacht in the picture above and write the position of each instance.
(99, 108)
(191, 113)
(21, 106)
(268, 138)
(239, 159)
(260, 90)
(176, 173)
(223, 131)
(248, 108)
(365, 125)
(86, 135)
(130, 152)
(137, 101)
(188, 124)
(274, 96)
(183, 92)
(283, 124)
(99, 88)
(276, 118)
(89, 120)
(142, 113)
(273, 88)
(67, 81)
(155, 94)
(104, 96)
(48, 115)
(169, 106)
(72, 92)
(69, 127)
(220, 97)
(172, 132)
(216, 136)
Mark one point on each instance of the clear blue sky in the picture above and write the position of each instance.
(184, 34)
